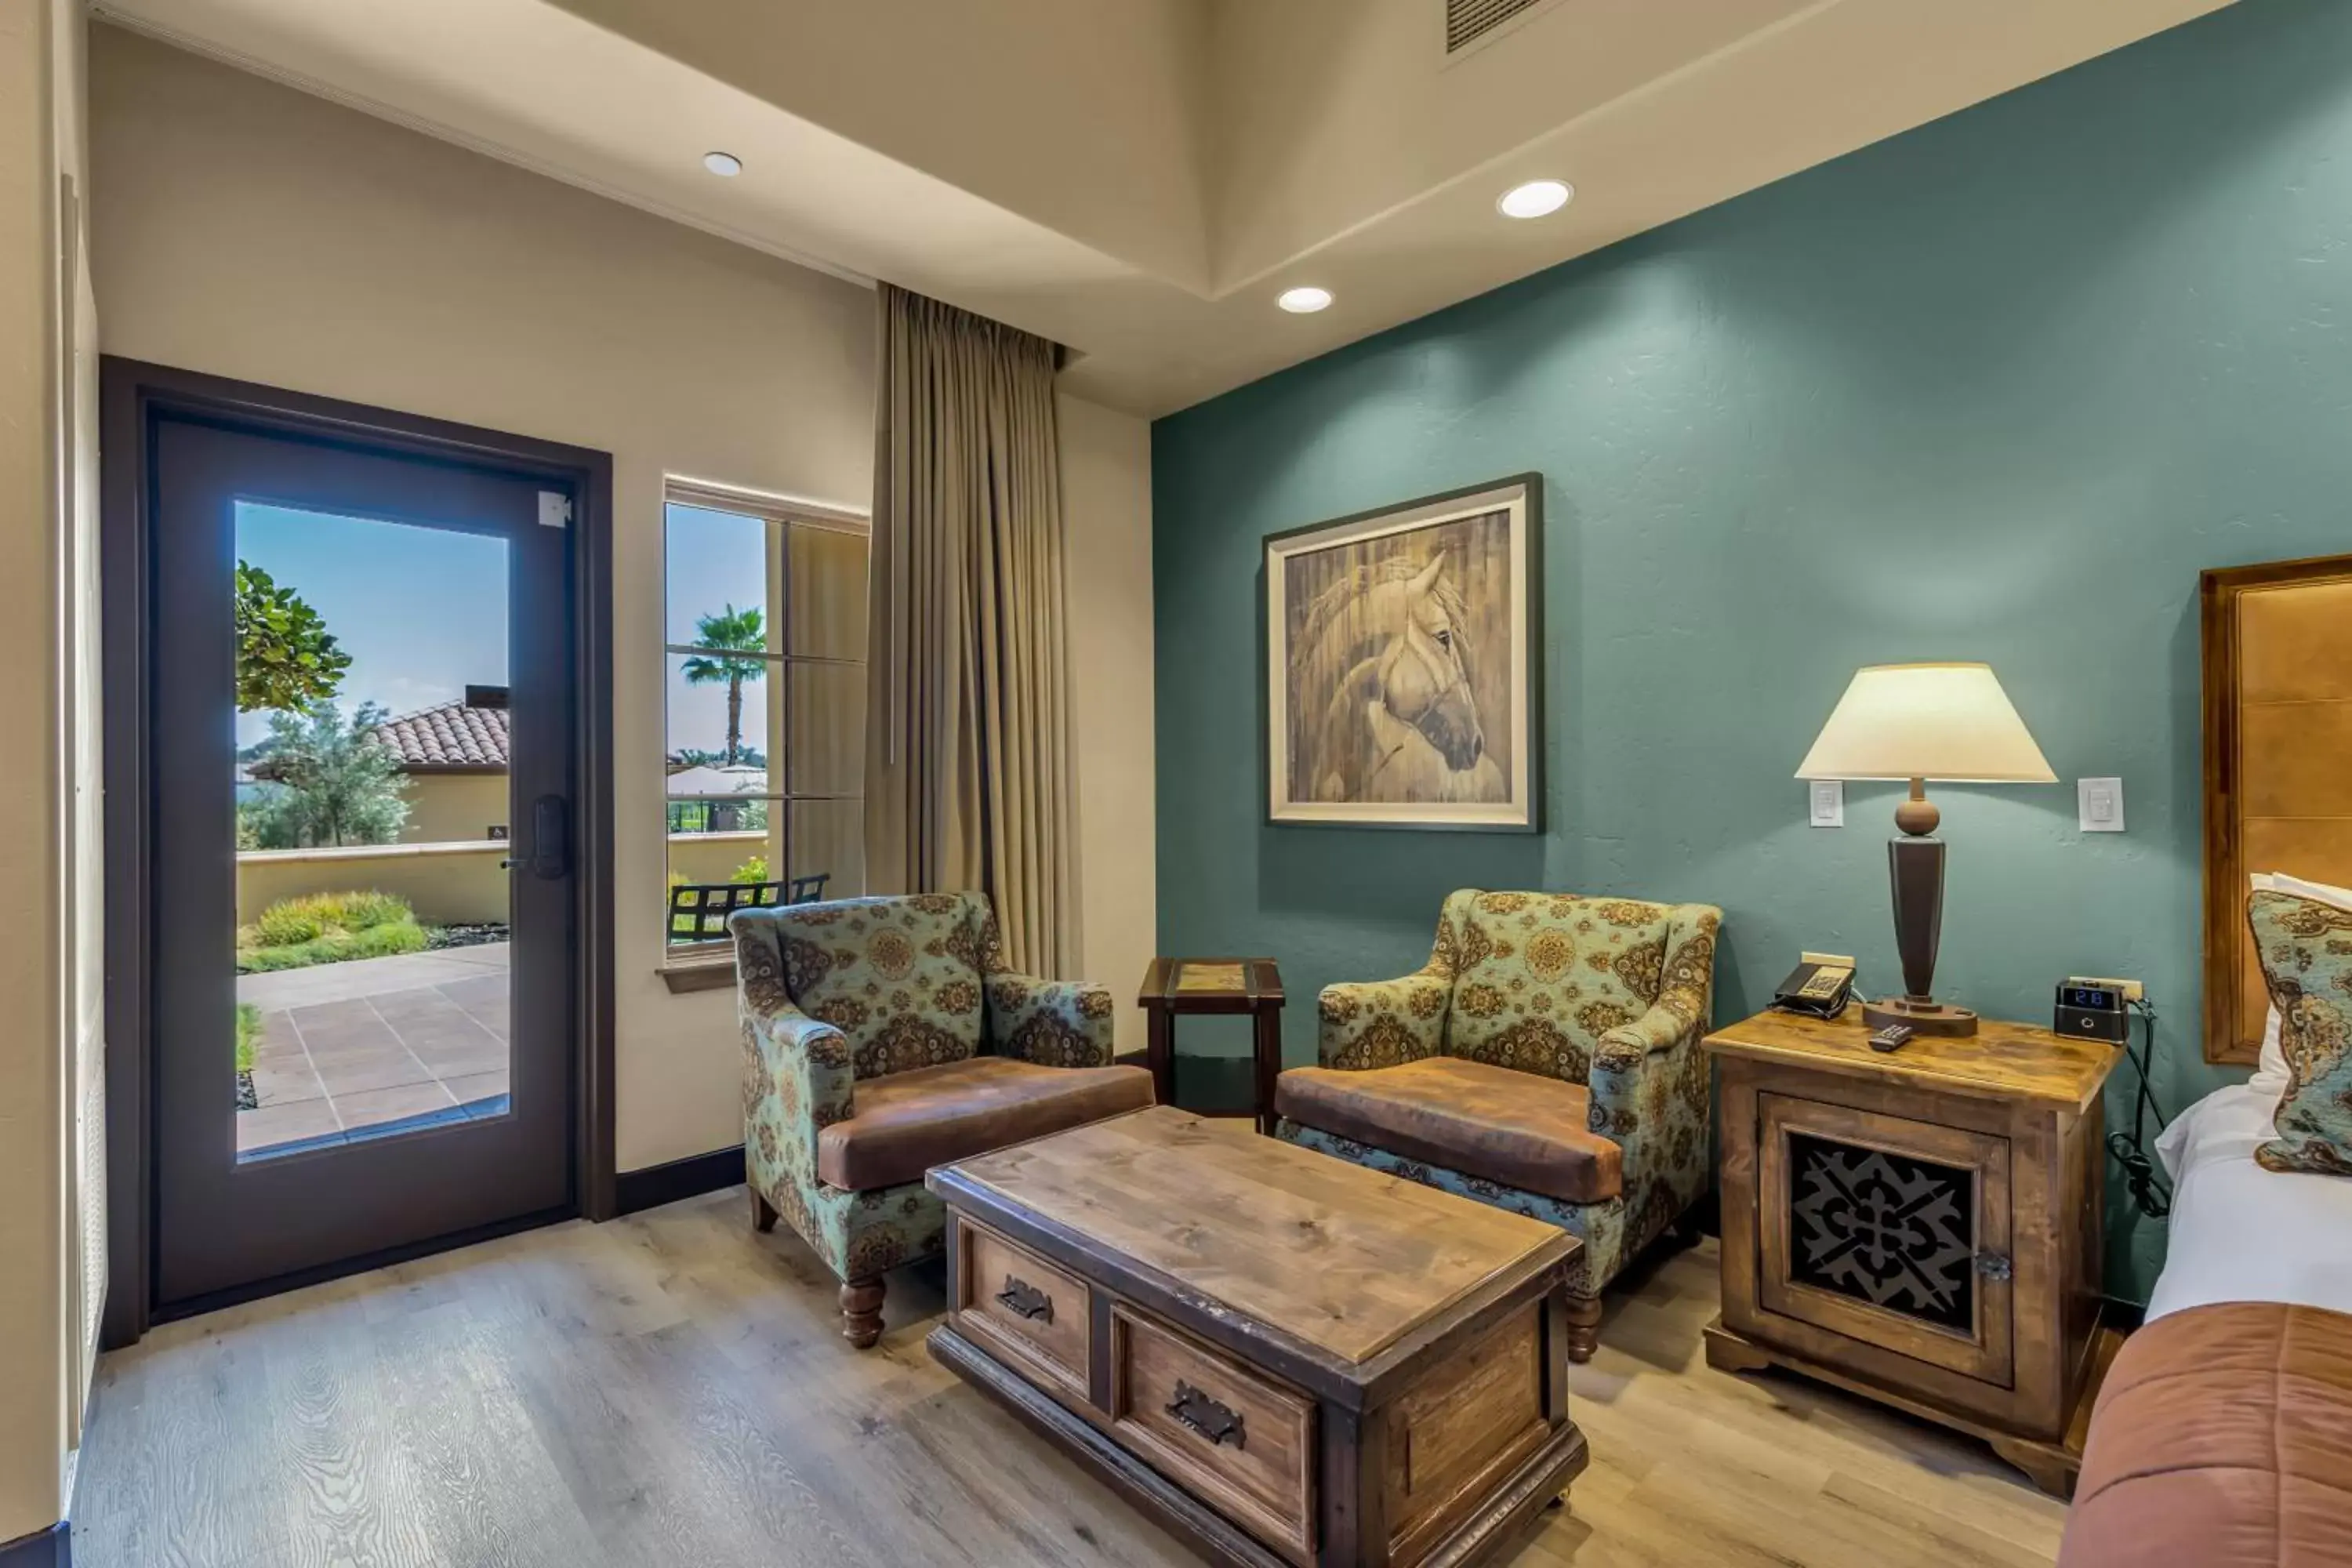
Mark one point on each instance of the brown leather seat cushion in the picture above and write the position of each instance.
(1514, 1128)
(2222, 1438)
(909, 1122)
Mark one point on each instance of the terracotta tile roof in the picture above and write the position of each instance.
(450, 736)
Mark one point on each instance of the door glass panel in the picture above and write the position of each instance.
(373, 813)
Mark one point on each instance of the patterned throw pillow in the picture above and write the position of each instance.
(2306, 954)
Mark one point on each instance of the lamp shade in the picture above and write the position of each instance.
(1949, 721)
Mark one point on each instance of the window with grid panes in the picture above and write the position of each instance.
(765, 687)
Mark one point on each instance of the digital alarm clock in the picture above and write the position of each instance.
(2092, 1013)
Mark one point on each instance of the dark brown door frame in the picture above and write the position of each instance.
(132, 397)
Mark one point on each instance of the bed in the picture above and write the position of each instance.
(2240, 1233)
(2223, 1434)
(2223, 1437)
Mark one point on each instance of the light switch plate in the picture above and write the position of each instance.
(2100, 803)
(1828, 798)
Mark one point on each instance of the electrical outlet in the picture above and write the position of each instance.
(1828, 802)
(2130, 990)
(2100, 804)
(1834, 959)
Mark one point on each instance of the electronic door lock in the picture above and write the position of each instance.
(549, 858)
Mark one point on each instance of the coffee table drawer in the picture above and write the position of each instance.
(1015, 1300)
(1230, 1435)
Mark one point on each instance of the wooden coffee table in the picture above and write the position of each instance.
(1281, 1356)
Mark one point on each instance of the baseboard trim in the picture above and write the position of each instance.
(50, 1548)
(690, 1177)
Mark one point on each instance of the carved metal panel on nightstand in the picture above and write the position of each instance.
(1923, 1226)
(1887, 1230)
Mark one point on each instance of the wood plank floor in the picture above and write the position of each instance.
(669, 1389)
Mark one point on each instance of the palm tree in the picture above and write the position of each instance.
(730, 632)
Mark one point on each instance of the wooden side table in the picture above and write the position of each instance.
(1923, 1227)
(1175, 986)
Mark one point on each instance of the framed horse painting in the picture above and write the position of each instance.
(1402, 657)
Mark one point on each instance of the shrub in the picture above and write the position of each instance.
(249, 1026)
(314, 915)
(755, 870)
(382, 941)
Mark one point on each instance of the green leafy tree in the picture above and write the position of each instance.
(730, 631)
(286, 658)
(336, 783)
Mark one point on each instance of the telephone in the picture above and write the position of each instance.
(1815, 989)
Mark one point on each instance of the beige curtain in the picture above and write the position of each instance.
(967, 745)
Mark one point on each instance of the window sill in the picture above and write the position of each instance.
(714, 973)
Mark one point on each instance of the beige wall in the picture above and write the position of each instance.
(449, 808)
(245, 230)
(445, 884)
(49, 962)
(1106, 504)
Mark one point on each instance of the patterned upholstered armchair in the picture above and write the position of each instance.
(883, 1036)
(1546, 1060)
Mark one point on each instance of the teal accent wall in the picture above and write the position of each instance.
(1998, 388)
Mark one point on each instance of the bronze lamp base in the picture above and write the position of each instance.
(1923, 1018)
(1915, 869)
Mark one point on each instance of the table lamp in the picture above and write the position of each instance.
(1916, 722)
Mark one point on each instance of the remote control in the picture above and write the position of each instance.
(1892, 1037)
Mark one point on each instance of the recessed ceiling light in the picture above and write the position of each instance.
(1304, 302)
(724, 164)
(1536, 198)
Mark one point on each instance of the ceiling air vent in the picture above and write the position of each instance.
(1470, 23)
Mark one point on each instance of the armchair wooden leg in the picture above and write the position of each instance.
(861, 1311)
(763, 1214)
(1583, 1327)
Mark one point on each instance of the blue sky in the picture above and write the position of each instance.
(716, 559)
(422, 611)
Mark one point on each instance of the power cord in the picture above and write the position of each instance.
(2151, 1192)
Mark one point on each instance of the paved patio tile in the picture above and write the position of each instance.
(274, 1124)
(287, 1085)
(392, 1068)
(477, 990)
(370, 1108)
(377, 1047)
(482, 1093)
(370, 976)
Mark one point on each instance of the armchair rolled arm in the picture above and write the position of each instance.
(1052, 1023)
(797, 1066)
(805, 1064)
(1662, 1046)
(1361, 1025)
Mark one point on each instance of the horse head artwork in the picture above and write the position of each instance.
(1383, 704)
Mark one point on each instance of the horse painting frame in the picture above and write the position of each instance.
(1403, 664)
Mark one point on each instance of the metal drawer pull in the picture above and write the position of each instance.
(1020, 1296)
(1205, 1415)
(1992, 1266)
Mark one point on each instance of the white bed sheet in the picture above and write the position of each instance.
(2240, 1233)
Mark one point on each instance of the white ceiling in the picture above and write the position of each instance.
(1137, 179)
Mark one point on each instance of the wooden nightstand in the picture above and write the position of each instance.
(1923, 1226)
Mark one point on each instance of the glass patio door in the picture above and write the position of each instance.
(362, 741)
